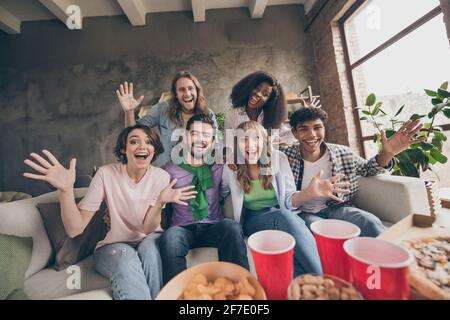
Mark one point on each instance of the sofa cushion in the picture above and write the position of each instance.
(99, 294)
(22, 218)
(69, 251)
(15, 256)
(51, 284)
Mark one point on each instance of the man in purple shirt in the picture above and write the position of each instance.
(201, 223)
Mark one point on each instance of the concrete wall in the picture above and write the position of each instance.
(57, 87)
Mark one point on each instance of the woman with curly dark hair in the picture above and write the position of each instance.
(259, 97)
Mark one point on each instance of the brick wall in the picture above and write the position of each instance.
(332, 73)
(334, 83)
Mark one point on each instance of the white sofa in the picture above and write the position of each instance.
(390, 198)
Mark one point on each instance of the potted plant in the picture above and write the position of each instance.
(419, 157)
(422, 156)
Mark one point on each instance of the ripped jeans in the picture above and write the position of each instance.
(134, 273)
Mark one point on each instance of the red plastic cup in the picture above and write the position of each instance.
(273, 257)
(379, 269)
(330, 236)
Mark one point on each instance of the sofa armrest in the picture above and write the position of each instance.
(391, 198)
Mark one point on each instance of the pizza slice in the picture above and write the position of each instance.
(430, 274)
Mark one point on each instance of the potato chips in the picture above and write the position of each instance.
(221, 289)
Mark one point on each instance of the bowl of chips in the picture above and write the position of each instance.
(213, 281)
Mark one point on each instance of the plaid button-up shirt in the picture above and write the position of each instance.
(343, 161)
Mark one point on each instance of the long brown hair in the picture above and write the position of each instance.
(174, 105)
(243, 175)
(275, 109)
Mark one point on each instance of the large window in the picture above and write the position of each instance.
(396, 49)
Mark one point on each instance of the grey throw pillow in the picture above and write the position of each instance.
(69, 251)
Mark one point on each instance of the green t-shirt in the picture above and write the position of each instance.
(258, 198)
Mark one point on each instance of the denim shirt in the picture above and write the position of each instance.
(158, 117)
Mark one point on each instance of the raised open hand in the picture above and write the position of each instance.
(52, 172)
(327, 188)
(170, 195)
(126, 97)
(313, 103)
(402, 139)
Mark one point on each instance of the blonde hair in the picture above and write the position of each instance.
(243, 175)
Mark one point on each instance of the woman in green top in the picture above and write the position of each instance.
(186, 100)
(264, 194)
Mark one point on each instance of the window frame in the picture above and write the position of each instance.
(386, 44)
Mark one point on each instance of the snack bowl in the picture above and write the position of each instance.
(174, 289)
(322, 287)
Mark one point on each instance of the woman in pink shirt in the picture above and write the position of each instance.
(135, 193)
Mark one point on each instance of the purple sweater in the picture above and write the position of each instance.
(182, 215)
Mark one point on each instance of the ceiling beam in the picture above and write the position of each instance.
(309, 4)
(134, 10)
(257, 8)
(314, 12)
(199, 10)
(9, 22)
(62, 9)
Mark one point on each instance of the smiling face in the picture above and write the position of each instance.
(251, 145)
(200, 139)
(186, 92)
(139, 150)
(259, 96)
(310, 134)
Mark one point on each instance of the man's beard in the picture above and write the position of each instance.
(200, 155)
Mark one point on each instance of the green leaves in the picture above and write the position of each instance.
(447, 112)
(416, 116)
(371, 99)
(440, 135)
(419, 157)
(426, 146)
(436, 154)
(436, 109)
(377, 109)
(443, 93)
(436, 101)
(399, 110)
(430, 93)
(389, 133)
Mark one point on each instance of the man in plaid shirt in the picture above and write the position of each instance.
(326, 174)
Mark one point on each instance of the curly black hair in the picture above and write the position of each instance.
(121, 143)
(307, 114)
(275, 109)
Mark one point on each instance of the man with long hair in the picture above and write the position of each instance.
(187, 99)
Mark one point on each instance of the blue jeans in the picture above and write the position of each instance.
(135, 274)
(306, 256)
(369, 224)
(226, 236)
